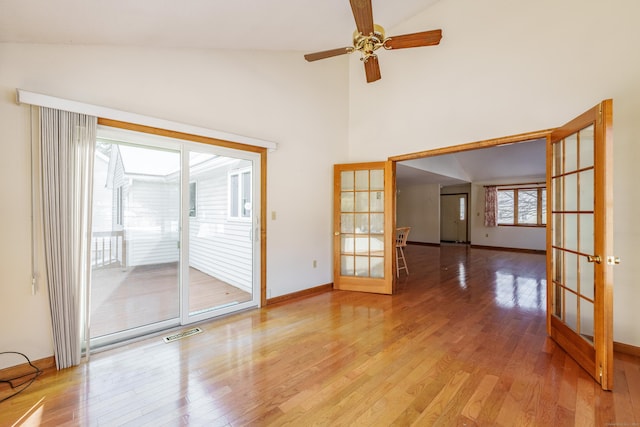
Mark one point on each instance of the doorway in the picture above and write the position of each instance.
(453, 218)
(579, 237)
(424, 185)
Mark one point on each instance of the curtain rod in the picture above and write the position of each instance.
(516, 185)
(41, 100)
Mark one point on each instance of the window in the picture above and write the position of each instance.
(522, 206)
(240, 194)
(192, 199)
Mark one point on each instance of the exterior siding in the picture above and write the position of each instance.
(219, 246)
(151, 221)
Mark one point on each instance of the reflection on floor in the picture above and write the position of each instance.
(456, 345)
(125, 298)
(515, 279)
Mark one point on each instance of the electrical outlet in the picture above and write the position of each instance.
(315, 263)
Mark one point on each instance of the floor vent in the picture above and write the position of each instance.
(182, 334)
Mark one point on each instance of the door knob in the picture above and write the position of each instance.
(594, 258)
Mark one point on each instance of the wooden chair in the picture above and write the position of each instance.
(401, 242)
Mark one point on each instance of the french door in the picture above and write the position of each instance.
(364, 217)
(579, 241)
(175, 234)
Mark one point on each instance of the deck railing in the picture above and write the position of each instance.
(108, 249)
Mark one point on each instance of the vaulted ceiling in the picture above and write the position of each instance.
(302, 25)
(288, 25)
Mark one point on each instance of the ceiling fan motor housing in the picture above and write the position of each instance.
(367, 44)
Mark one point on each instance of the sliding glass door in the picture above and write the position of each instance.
(173, 234)
(219, 237)
(135, 240)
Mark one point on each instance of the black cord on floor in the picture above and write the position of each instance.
(13, 382)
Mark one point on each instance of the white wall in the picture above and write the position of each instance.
(275, 96)
(418, 207)
(505, 68)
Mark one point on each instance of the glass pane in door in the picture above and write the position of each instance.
(573, 236)
(220, 249)
(135, 238)
(362, 227)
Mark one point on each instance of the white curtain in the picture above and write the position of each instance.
(67, 146)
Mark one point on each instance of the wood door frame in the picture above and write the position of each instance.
(477, 145)
(487, 143)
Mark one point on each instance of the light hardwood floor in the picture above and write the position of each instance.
(462, 343)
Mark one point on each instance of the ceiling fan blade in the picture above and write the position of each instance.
(372, 69)
(327, 53)
(424, 38)
(363, 14)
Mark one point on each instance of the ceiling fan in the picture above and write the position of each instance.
(370, 37)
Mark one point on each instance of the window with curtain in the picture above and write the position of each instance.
(490, 206)
(522, 206)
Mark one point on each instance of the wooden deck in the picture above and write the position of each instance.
(125, 298)
(463, 342)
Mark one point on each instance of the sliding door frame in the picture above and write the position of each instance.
(262, 151)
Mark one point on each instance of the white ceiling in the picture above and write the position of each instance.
(505, 162)
(303, 25)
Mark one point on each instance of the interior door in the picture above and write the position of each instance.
(579, 242)
(363, 227)
(453, 218)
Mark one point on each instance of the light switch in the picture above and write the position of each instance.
(273, 215)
